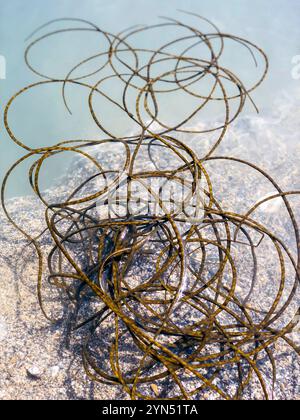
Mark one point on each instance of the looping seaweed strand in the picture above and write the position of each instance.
(159, 310)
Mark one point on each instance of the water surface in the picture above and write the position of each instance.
(41, 119)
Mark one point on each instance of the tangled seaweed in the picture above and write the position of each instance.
(142, 286)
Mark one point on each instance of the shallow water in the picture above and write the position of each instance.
(273, 25)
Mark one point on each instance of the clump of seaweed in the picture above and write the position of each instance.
(155, 289)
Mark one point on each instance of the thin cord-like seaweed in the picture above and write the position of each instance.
(183, 357)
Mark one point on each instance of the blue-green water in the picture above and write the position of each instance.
(42, 118)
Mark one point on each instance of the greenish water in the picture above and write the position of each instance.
(41, 119)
